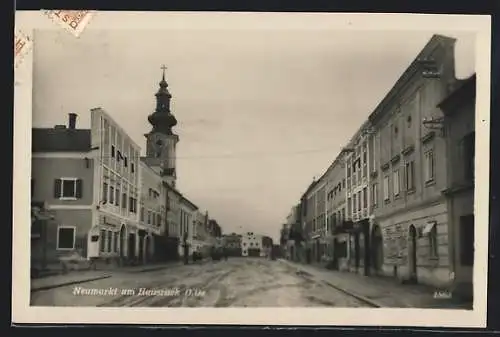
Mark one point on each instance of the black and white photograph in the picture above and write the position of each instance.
(252, 161)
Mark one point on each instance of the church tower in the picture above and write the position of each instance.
(161, 141)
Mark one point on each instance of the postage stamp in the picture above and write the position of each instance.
(22, 45)
(71, 20)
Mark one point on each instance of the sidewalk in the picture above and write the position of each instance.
(382, 292)
(82, 276)
(61, 280)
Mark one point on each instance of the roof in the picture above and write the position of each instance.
(465, 90)
(60, 140)
(407, 75)
(187, 201)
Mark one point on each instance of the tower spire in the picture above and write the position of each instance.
(161, 119)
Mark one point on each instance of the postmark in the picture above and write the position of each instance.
(73, 21)
(22, 45)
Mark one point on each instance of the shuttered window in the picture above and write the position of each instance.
(68, 188)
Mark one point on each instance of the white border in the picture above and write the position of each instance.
(23, 313)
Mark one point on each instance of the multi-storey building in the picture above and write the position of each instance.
(410, 213)
(89, 178)
(336, 213)
(115, 230)
(357, 183)
(294, 242)
(187, 216)
(152, 213)
(316, 205)
(307, 219)
(233, 244)
(251, 245)
(459, 127)
(201, 238)
(172, 238)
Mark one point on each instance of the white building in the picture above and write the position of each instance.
(115, 229)
(251, 245)
(187, 217)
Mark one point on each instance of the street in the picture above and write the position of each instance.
(237, 282)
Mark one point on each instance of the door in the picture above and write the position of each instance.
(412, 253)
(131, 246)
(377, 252)
(123, 241)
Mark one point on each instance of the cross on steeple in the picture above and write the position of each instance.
(163, 67)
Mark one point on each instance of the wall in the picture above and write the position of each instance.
(81, 219)
(44, 172)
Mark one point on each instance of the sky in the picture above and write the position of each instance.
(260, 112)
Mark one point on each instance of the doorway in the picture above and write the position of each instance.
(123, 241)
(412, 253)
(131, 246)
(377, 249)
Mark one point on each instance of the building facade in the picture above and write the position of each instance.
(338, 238)
(115, 231)
(152, 213)
(187, 217)
(459, 129)
(63, 174)
(409, 172)
(251, 245)
(233, 244)
(357, 184)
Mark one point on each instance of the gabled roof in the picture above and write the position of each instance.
(60, 140)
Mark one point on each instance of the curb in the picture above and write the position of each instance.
(58, 285)
(345, 291)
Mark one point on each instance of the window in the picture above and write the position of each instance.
(343, 214)
(158, 219)
(410, 176)
(343, 183)
(359, 201)
(66, 237)
(349, 212)
(354, 203)
(396, 182)
(153, 219)
(386, 188)
(111, 195)
(104, 192)
(469, 156)
(365, 198)
(68, 188)
(374, 194)
(467, 240)
(149, 217)
(117, 197)
(132, 167)
(142, 213)
(124, 200)
(125, 161)
(112, 151)
(408, 121)
(429, 166)
(433, 243)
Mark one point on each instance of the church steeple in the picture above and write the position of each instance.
(162, 119)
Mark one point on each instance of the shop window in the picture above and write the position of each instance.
(66, 236)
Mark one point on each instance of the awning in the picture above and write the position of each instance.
(428, 227)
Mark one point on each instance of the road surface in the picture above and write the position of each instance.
(237, 282)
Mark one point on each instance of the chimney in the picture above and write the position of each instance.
(72, 120)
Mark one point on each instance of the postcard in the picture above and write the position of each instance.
(251, 168)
